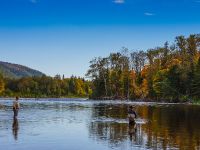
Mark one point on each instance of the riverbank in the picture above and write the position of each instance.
(37, 98)
(184, 101)
(191, 101)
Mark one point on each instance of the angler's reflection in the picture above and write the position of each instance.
(132, 131)
(15, 127)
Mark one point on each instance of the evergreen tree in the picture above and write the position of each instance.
(196, 81)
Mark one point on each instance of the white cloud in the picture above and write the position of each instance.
(119, 1)
(148, 14)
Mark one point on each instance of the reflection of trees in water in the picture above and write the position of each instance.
(136, 135)
(110, 129)
(109, 111)
(173, 126)
(116, 133)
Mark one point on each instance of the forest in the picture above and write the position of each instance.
(168, 73)
(45, 86)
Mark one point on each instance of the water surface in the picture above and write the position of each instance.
(76, 124)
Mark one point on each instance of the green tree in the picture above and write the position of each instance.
(2, 84)
(196, 81)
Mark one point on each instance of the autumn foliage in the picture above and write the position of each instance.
(170, 72)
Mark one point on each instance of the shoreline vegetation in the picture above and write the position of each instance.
(45, 87)
(170, 73)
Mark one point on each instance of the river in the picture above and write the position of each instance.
(75, 124)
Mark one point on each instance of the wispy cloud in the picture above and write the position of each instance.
(197, 1)
(119, 1)
(149, 14)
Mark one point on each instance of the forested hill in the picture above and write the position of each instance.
(17, 71)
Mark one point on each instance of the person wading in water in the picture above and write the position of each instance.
(16, 107)
(131, 115)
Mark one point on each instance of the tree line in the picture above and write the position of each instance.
(45, 86)
(170, 72)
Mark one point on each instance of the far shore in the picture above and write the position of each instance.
(86, 98)
(37, 98)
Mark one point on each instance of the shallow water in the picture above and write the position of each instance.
(98, 125)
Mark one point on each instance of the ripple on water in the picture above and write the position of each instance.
(111, 120)
(68, 122)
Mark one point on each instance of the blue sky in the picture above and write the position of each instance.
(62, 36)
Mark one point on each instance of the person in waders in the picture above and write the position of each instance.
(132, 124)
(16, 107)
(131, 115)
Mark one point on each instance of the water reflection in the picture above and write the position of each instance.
(110, 123)
(15, 128)
(175, 126)
(62, 124)
(168, 127)
(132, 132)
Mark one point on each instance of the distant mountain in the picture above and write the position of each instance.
(17, 71)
